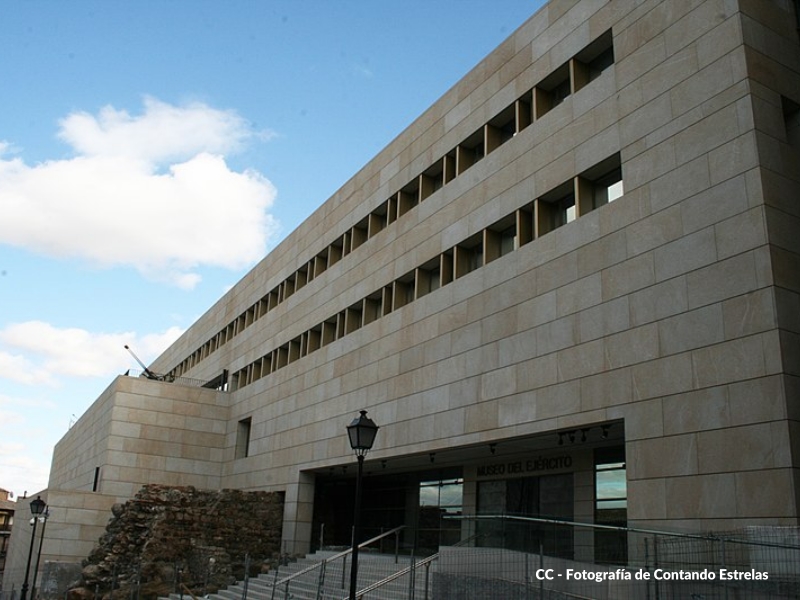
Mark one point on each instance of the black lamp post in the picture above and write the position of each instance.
(45, 515)
(362, 432)
(37, 508)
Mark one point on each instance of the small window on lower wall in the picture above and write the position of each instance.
(243, 438)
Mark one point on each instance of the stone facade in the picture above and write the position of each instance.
(579, 266)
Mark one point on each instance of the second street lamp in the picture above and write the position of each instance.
(37, 508)
(362, 432)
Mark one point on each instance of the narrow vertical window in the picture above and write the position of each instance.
(791, 119)
(243, 438)
(611, 505)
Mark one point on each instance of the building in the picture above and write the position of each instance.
(7, 507)
(570, 288)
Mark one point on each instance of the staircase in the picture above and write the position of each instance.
(372, 567)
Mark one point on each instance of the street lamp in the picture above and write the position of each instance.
(37, 508)
(44, 517)
(362, 432)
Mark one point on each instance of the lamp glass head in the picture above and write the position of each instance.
(362, 432)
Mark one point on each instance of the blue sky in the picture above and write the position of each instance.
(151, 152)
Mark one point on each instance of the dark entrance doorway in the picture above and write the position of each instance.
(419, 500)
(547, 496)
(383, 503)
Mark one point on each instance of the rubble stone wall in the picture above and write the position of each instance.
(167, 536)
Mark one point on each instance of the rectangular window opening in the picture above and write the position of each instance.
(470, 151)
(791, 119)
(243, 438)
(600, 185)
(501, 128)
(552, 90)
(611, 504)
(597, 56)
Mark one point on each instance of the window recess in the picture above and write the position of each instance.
(336, 251)
(408, 197)
(428, 278)
(600, 185)
(391, 209)
(372, 309)
(294, 349)
(469, 255)
(500, 238)
(340, 324)
(358, 234)
(377, 221)
(500, 129)
(551, 91)
(387, 295)
(432, 179)
(328, 331)
(555, 209)
(314, 339)
(592, 61)
(446, 267)
(404, 290)
(449, 166)
(523, 109)
(242, 449)
(301, 278)
(282, 356)
(791, 120)
(470, 151)
(525, 225)
(263, 308)
(353, 318)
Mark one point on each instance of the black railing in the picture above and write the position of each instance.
(525, 557)
(187, 381)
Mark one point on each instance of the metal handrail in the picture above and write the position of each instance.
(655, 532)
(425, 561)
(330, 559)
(405, 571)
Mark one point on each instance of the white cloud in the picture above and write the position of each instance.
(164, 133)
(15, 367)
(53, 353)
(152, 192)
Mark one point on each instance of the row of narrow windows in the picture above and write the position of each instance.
(570, 77)
(595, 187)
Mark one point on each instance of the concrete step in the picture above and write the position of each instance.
(372, 567)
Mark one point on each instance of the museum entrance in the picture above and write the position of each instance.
(418, 500)
(458, 493)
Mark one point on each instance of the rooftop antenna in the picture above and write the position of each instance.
(147, 372)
